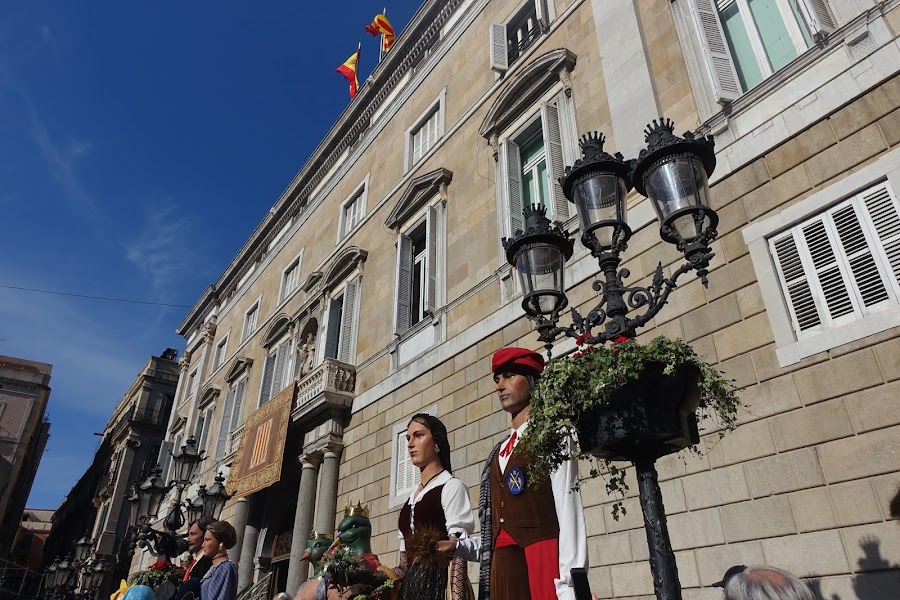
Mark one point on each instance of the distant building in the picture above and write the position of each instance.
(131, 444)
(29, 542)
(24, 393)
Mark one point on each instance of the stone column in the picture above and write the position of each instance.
(327, 501)
(303, 519)
(248, 548)
(239, 521)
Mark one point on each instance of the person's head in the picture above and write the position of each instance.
(516, 370)
(219, 537)
(426, 442)
(895, 505)
(766, 583)
(195, 533)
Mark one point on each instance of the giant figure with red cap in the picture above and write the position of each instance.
(532, 533)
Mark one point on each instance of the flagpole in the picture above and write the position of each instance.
(381, 45)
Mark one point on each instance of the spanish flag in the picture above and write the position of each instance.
(381, 25)
(348, 70)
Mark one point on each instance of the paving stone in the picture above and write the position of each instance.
(786, 472)
(757, 519)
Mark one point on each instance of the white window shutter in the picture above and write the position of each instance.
(817, 16)
(238, 407)
(265, 391)
(225, 425)
(513, 165)
(858, 256)
(884, 213)
(801, 303)
(404, 283)
(540, 11)
(838, 302)
(719, 66)
(499, 56)
(165, 457)
(431, 261)
(207, 425)
(555, 160)
(198, 430)
(281, 358)
(348, 322)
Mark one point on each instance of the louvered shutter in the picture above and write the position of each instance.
(827, 270)
(225, 424)
(719, 66)
(348, 322)
(858, 256)
(169, 467)
(555, 161)
(817, 16)
(207, 425)
(333, 334)
(404, 282)
(280, 362)
(513, 165)
(238, 407)
(265, 391)
(884, 213)
(801, 304)
(499, 56)
(540, 11)
(165, 456)
(198, 430)
(431, 261)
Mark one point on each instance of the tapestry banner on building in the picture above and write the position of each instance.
(257, 463)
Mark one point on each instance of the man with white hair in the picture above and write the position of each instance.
(763, 583)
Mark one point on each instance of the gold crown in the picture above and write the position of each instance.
(315, 535)
(350, 510)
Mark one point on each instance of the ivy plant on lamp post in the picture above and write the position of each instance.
(629, 402)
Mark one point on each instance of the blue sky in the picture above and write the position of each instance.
(140, 144)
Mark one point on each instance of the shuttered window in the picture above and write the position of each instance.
(231, 416)
(508, 41)
(426, 135)
(275, 373)
(842, 264)
(250, 319)
(407, 475)
(340, 336)
(531, 163)
(743, 42)
(291, 279)
(418, 263)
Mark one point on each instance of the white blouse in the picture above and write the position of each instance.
(454, 501)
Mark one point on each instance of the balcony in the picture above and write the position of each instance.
(234, 440)
(331, 386)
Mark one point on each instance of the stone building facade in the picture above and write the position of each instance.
(24, 431)
(378, 283)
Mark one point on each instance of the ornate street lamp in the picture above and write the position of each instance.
(194, 507)
(215, 497)
(673, 172)
(83, 548)
(146, 501)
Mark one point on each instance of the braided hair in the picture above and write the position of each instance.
(439, 433)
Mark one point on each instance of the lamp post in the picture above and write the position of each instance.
(146, 500)
(673, 172)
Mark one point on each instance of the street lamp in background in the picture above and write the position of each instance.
(146, 500)
(673, 172)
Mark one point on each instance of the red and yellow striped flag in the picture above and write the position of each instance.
(380, 25)
(348, 70)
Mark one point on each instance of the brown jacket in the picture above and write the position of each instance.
(528, 517)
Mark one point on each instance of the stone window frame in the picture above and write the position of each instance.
(246, 333)
(498, 48)
(788, 349)
(397, 498)
(438, 105)
(220, 358)
(295, 263)
(360, 194)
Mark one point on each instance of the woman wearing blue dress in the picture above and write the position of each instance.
(220, 582)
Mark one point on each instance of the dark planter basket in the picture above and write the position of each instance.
(645, 419)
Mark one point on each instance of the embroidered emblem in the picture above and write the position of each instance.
(515, 481)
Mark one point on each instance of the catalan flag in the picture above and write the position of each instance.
(380, 25)
(348, 70)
